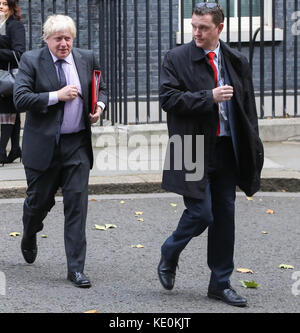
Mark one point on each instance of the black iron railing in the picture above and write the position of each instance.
(130, 37)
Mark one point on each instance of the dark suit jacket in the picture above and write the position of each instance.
(36, 78)
(187, 80)
(14, 39)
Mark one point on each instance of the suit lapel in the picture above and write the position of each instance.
(82, 70)
(231, 79)
(48, 67)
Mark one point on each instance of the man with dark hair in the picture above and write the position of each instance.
(206, 89)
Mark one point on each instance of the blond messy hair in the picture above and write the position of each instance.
(58, 23)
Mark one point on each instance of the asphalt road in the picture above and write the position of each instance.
(124, 278)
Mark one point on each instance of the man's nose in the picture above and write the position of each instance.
(63, 42)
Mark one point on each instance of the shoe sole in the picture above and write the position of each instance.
(241, 305)
(83, 285)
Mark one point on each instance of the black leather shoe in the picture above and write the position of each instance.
(228, 296)
(13, 155)
(79, 279)
(166, 272)
(29, 249)
(3, 158)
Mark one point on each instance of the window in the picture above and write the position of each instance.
(234, 20)
(245, 7)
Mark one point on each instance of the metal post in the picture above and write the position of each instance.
(296, 68)
(284, 56)
(262, 58)
(159, 51)
(273, 58)
(125, 60)
(136, 62)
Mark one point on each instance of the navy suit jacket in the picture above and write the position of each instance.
(186, 84)
(37, 76)
(231, 113)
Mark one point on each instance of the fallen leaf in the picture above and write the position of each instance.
(14, 234)
(270, 211)
(173, 204)
(264, 232)
(244, 270)
(44, 236)
(100, 227)
(93, 199)
(249, 198)
(140, 220)
(105, 227)
(138, 213)
(122, 201)
(92, 311)
(108, 226)
(139, 246)
(249, 284)
(285, 266)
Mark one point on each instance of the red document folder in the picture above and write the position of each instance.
(95, 89)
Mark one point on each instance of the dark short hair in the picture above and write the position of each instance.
(212, 8)
(15, 9)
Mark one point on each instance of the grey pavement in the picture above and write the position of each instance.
(135, 170)
(124, 278)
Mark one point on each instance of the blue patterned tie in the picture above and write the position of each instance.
(61, 74)
(62, 83)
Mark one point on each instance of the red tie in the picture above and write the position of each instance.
(211, 56)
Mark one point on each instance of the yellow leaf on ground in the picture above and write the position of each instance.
(122, 201)
(107, 226)
(138, 246)
(173, 204)
(249, 198)
(270, 211)
(14, 234)
(93, 199)
(44, 236)
(264, 232)
(140, 220)
(92, 311)
(285, 266)
(244, 270)
(138, 213)
(100, 227)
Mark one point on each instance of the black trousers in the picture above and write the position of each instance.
(215, 212)
(69, 169)
(10, 131)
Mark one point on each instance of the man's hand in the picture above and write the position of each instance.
(96, 116)
(222, 93)
(67, 93)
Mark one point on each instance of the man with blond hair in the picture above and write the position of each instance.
(53, 86)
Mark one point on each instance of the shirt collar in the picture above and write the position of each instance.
(68, 59)
(216, 51)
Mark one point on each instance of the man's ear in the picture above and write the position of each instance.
(220, 27)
